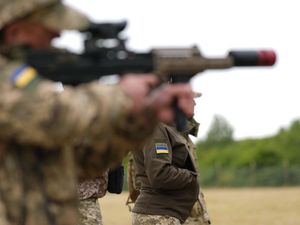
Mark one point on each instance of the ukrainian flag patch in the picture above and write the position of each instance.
(161, 148)
(24, 76)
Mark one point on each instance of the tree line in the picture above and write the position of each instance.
(220, 153)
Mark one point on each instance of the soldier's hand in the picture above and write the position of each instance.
(138, 87)
(161, 101)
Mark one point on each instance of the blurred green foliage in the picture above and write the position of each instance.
(272, 160)
(219, 133)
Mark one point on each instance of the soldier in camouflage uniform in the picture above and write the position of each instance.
(40, 124)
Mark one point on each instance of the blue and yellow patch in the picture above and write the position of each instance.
(161, 148)
(24, 76)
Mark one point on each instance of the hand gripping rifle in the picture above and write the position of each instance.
(105, 53)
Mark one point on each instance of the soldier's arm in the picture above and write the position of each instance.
(158, 164)
(39, 114)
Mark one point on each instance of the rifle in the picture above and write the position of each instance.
(105, 53)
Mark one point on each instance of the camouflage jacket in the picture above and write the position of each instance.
(39, 125)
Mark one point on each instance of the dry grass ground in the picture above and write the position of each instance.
(243, 206)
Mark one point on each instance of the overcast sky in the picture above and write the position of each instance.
(255, 101)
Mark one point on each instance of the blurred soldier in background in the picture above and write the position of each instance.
(162, 179)
(41, 123)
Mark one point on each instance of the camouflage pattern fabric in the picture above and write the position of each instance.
(1, 150)
(95, 188)
(60, 17)
(16, 9)
(202, 206)
(88, 192)
(199, 215)
(40, 126)
(143, 219)
(89, 210)
(2, 214)
(133, 184)
(51, 13)
(195, 221)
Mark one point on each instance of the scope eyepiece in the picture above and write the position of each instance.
(105, 30)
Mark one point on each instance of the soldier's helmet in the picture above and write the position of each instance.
(52, 13)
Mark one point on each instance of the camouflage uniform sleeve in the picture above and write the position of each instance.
(93, 188)
(44, 117)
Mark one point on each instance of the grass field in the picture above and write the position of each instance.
(244, 206)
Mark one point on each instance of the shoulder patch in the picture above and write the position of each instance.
(161, 148)
(24, 76)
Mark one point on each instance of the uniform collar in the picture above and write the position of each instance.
(191, 128)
